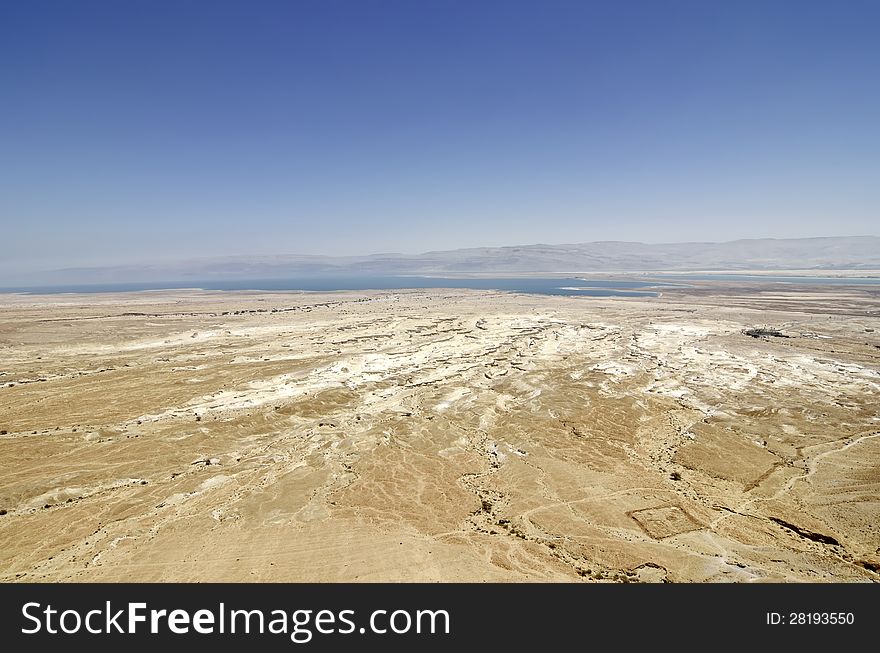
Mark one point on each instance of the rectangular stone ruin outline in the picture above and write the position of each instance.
(633, 514)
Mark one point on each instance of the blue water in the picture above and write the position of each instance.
(647, 286)
(541, 286)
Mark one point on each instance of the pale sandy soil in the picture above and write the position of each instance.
(807, 272)
(440, 436)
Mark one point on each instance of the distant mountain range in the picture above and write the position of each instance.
(862, 252)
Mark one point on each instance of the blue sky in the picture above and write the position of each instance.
(142, 131)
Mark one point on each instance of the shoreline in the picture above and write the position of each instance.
(805, 278)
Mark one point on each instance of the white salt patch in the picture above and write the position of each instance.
(451, 398)
(213, 482)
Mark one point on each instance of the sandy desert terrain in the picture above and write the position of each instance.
(440, 436)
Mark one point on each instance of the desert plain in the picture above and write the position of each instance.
(441, 435)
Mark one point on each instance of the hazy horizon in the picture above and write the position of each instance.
(13, 274)
(818, 253)
(138, 133)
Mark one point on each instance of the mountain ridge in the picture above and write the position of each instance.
(815, 253)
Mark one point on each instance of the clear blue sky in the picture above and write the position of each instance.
(147, 130)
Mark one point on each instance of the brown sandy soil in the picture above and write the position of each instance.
(440, 436)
